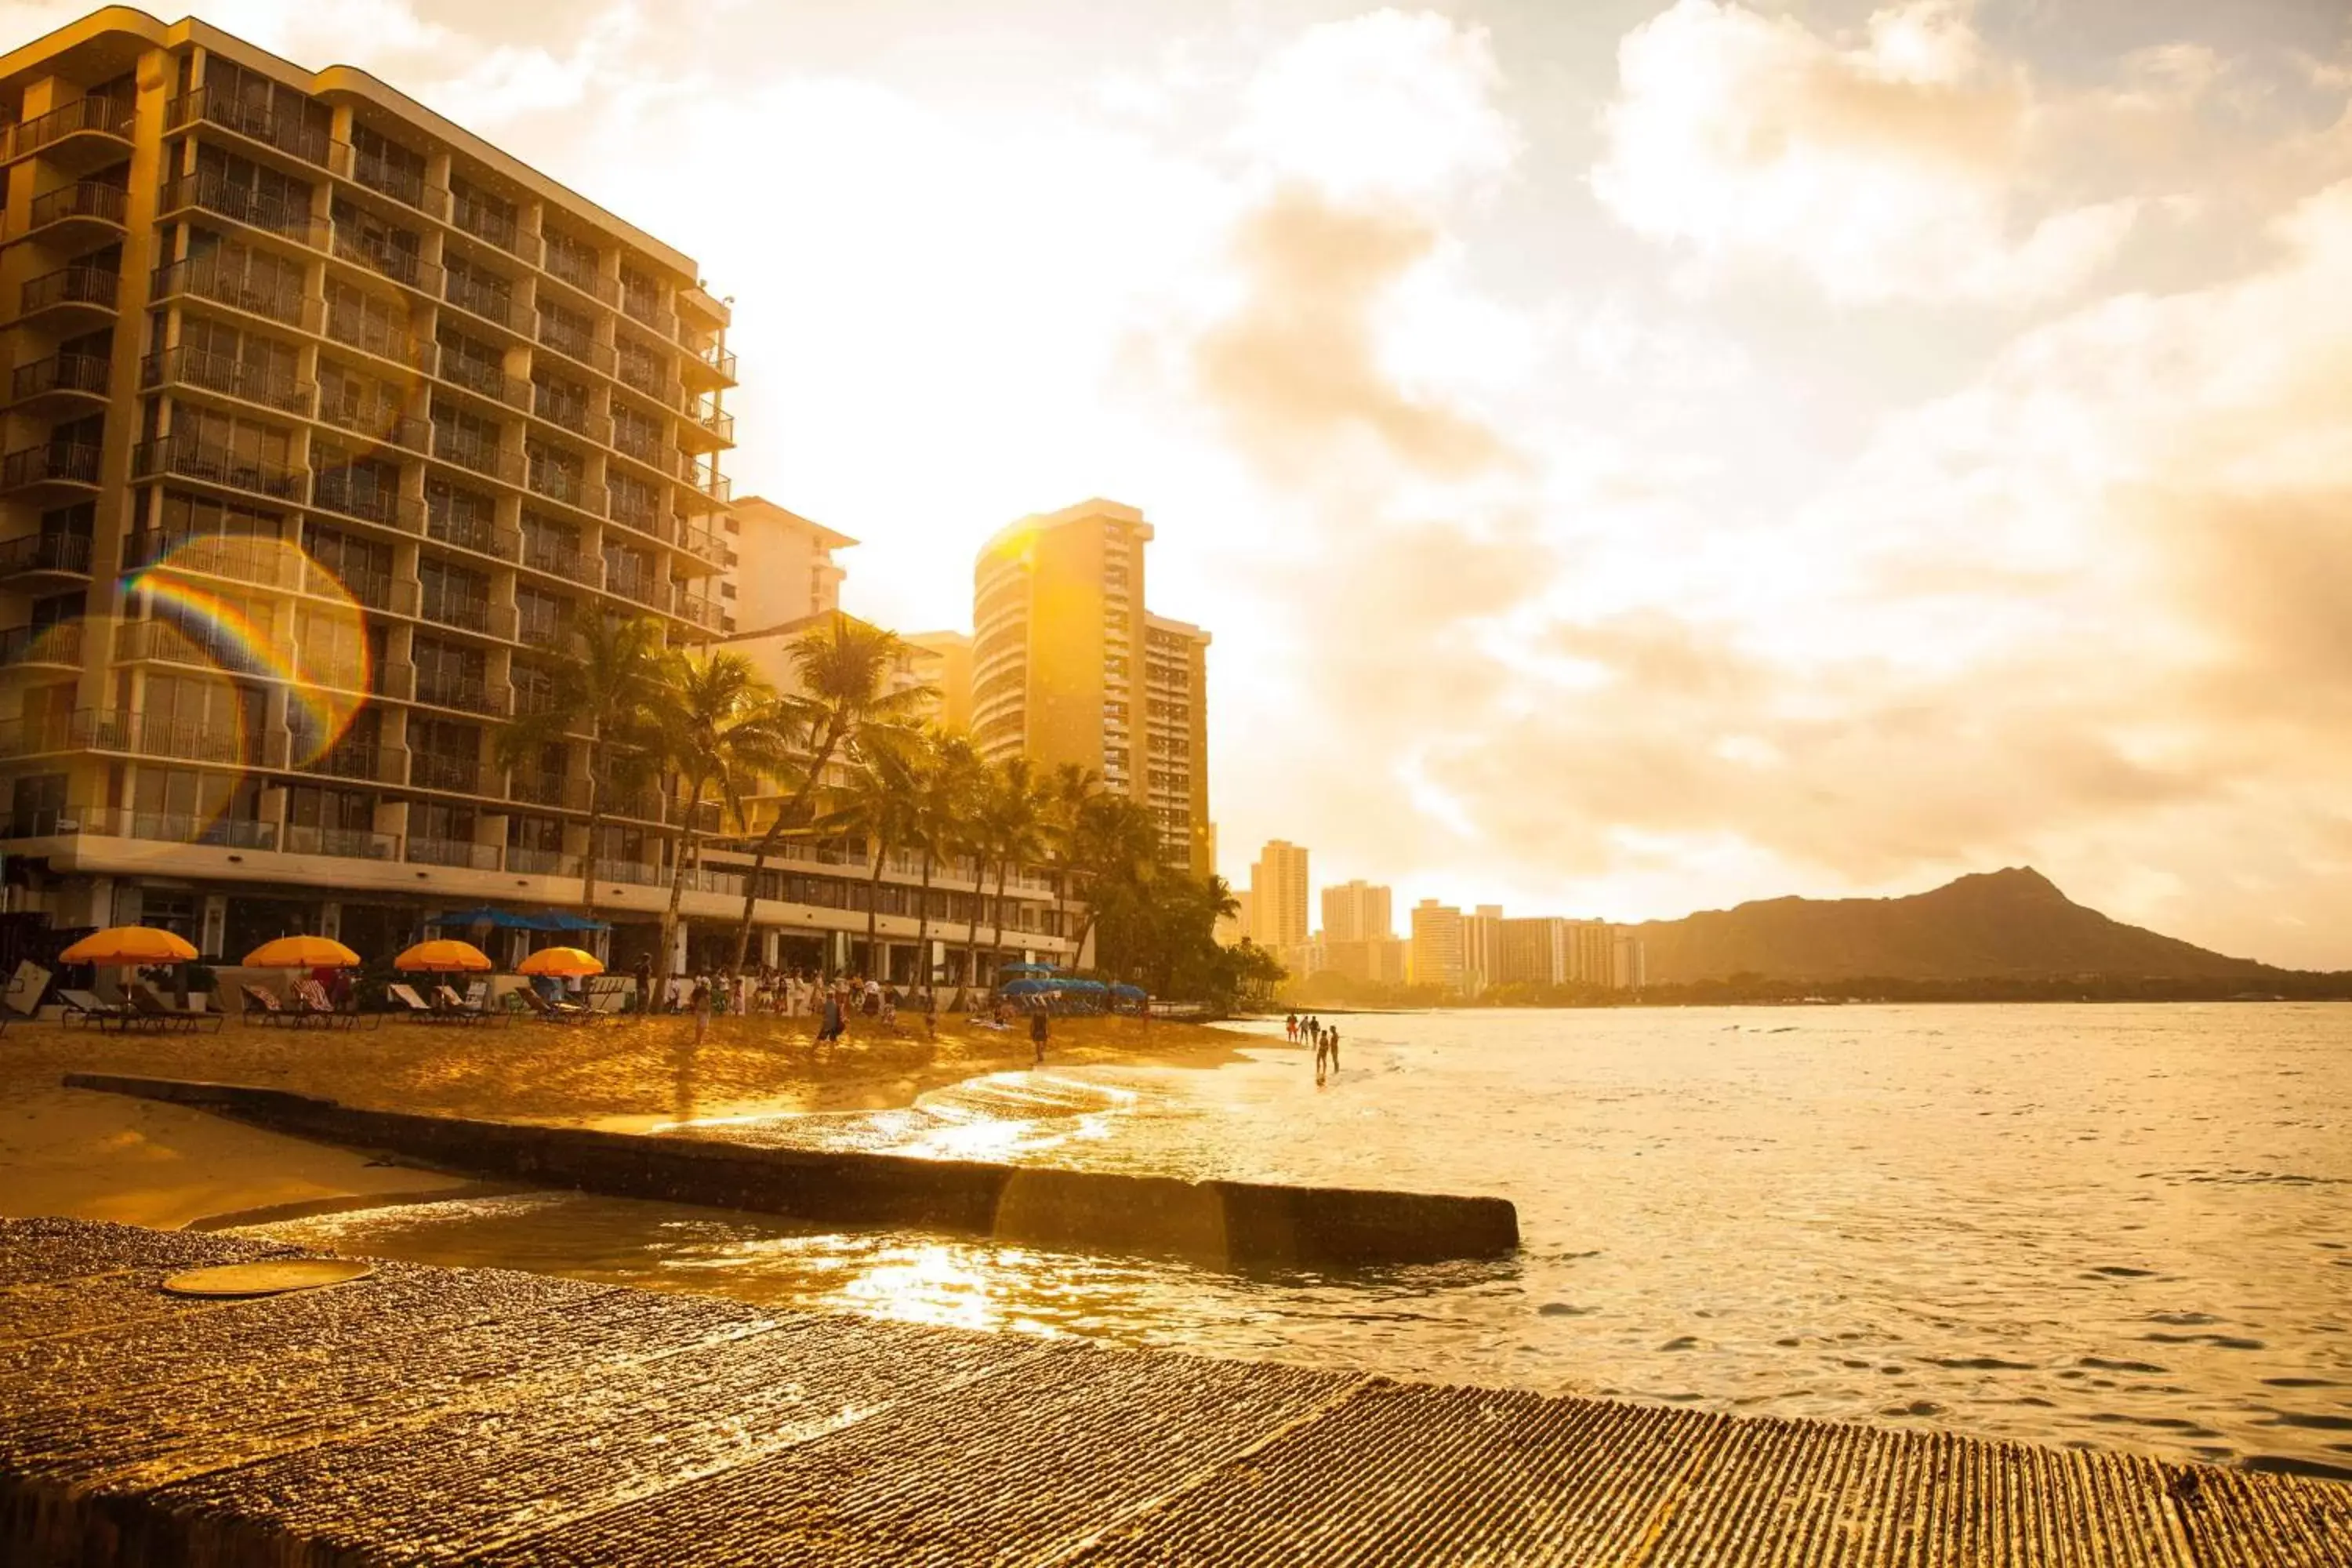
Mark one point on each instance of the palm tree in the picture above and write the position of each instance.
(1012, 817)
(1067, 789)
(942, 771)
(1114, 846)
(719, 724)
(843, 674)
(607, 688)
(879, 801)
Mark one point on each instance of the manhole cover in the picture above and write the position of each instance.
(267, 1278)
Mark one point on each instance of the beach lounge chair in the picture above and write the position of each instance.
(553, 1012)
(84, 1006)
(418, 1007)
(149, 1011)
(316, 1007)
(263, 1007)
(448, 1005)
(610, 999)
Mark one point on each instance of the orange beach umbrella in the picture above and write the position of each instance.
(302, 953)
(129, 945)
(565, 963)
(443, 955)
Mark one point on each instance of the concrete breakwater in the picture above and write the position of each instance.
(1236, 1224)
(435, 1416)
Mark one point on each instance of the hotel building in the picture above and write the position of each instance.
(326, 421)
(1068, 667)
(1278, 882)
(1437, 945)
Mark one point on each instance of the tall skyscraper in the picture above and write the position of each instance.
(1482, 949)
(1278, 896)
(1068, 665)
(1437, 944)
(1357, 912)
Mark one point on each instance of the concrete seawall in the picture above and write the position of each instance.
(1237, 1223)
(435, 1416)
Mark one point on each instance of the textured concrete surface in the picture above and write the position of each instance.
(438, 1415)
(1253, 1223)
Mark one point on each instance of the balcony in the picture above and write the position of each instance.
(478, 534)
(719, 427)
(360, 762)
(485, 222)
(707, 547)
(177, 739)
(449, 852)
(231, 377)
(53, 465)
(570, 414)
(373, 334)
(650, 377)
(79, 292)
(632, 510)
(271, 298)
(710, 355)
(347, 494)
(288, 133)
(462, 694)
(558, 483)
(239, 558)
(386, 178)
(62, 380)
(192, 458)
(632, 438)
(548, 789)
(633, 873)
(405, 267)
(256, 210)
(58, 646)
(470, 615)
(707, 484)
(431, 770)
(79, 215)
(341, 842)
(542, 553)
(380, 426)
(638, 586)
(574, 344)
(103, 124)
(374, 590)
(61, 557)
(487, 378)
(466, 449)
(528, 862)
(578, 272)
(169, 828)
(695, 610)
(480, 299)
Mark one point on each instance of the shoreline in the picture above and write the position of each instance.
(82, 1154)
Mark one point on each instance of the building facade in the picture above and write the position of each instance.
(1357, 912)
(1437, 945)
(326, 422)
(1068, 667)
(794, 577)
(1547, 950)
(1278, 885)
(944, 664)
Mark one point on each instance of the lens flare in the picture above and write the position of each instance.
(216, 601)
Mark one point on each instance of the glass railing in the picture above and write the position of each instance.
(341, 842)
(450, 852)
(528, 862)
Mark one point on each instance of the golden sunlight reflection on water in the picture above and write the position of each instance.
(2123, 1226)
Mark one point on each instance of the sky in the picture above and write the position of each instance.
(1632, 457)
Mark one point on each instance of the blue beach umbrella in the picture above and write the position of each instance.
(1129, 993)
(1029, 969)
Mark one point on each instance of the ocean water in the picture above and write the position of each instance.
(2118, 1226)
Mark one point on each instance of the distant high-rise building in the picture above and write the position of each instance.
(1630, 969)
(1233, 929)
(1357, 912)
(1482, 949)
(1069, 667)
(1437, 943)
(788, 571)
(945, 664)
(1278, 896)
(1549, 951)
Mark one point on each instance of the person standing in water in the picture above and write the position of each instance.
(701, 1001)
(1290, 1028)
(1038, 1029)
(1331, 1044)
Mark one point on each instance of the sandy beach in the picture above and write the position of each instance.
(103, 1156)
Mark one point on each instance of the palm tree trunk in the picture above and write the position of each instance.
(872, 911)
(774, 835)
(687, 841)
(996, 937)
(588, 861)
(923, 923)
(971, 934)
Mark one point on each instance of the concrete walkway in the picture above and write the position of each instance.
(440, 1415)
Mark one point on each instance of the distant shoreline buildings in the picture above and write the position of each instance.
(1460, 954)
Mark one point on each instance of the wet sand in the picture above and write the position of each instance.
(101, 1156)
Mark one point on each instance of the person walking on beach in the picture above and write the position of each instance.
(645, 983)
(833, 1026)
(701, 1002)
(1331, 1043)
(1315, 1033)
(1038, 1029)
(1290, 1028)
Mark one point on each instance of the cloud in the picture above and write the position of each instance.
(1893, 165)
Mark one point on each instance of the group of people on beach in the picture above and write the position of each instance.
(1325, 1038)
(782, 994)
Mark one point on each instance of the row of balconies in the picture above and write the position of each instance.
(491, 223)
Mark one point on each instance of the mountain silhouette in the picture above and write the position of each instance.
(2013, 923)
